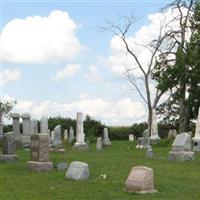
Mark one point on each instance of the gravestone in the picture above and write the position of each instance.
(143, 142)
(149, 152)
(196, 138)
(16, 127)
(40, 153)
(71, 135)
(34, 126)
(131, 137)
(181, 148)
(106, 140)
(172, 133)
(65, 135)
(8, 148)
(140, 180)
(61, 166)
(80, 136)
(44, 125)
(26, 129)
(56, 137)
(77, 171)
(154, 138)
(1, 130)
(99, 144)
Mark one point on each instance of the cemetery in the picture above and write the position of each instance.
(97, 103)
(103, 169)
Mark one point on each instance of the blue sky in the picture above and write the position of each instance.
(88, 83)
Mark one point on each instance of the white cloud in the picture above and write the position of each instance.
(119, 60)
(121, 112)
(92, 74)
(9, 75)
(38, 39)
(69, 71)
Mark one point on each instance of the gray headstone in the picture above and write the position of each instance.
(56, 137)
(77, 171)
(9, 146)
(26, 125)
(34, 126)
(62, 166)
(16, 124)
(44, 125)
(65, 134)
(182, 142)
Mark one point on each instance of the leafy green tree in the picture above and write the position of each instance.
(182, 77)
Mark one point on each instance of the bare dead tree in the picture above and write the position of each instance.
(164, 46)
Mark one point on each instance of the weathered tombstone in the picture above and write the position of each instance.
(106, 140)
(140, 180)
(99, 144)
(80, 136)
(61, 166)
(1, 129)
(149, 152)
(44, 125)
(40, 153)
(181, 148)
(154, 129)
(8, 148)
(77, 171)
(34, 126)
(56, 136)
(196, 138)
(16, 127)
(26, 129)
(71, 135)
(131, 137)
(143, 142)
(65, 135)
(172, 133)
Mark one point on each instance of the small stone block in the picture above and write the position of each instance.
(8, 158)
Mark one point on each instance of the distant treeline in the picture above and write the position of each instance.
(94, 128)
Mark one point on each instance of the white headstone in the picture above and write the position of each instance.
(131, 137)
(154, 127)
(106, 140)
(44, 125)
(99, 144)
(66, 134)
(56, 139)
(71, 135)
(80, 136)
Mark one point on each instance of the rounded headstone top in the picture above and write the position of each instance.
(26, 115)
(15, 115)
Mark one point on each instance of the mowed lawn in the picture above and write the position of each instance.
(173, 180)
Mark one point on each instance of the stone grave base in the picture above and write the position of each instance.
(8, 158)
(39, 166)
(81, 146)
(181, 155)
(57, 149)
(106, 143)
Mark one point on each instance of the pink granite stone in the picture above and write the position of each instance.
(140, 179)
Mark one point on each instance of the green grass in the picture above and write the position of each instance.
(173, 180)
